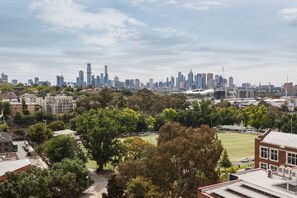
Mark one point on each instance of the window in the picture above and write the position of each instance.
(263, 165)
(264, 152)
(6, 143)
(292, 158)
(273, 168)
(273, 154)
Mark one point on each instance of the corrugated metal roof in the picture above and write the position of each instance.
(10, 166)
(282, 139)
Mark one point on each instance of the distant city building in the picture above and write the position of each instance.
(80, 80)
(231, 82)
(14, 82)
(36, 81)
(151, 83)
(4, 78)
(106, 74)
(190, 79)
(30, 82)
(89, 74)
(60, 81)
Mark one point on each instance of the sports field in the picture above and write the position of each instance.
(238, 145)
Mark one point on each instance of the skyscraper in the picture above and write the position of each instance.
(36, 81)
(60, 81)
(231, 82)
(190, 79)
(89, 74)
(81, 81)
(106, 75)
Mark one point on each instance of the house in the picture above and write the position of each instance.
(273, 149)
(13, 166)
(67, 132)
(5, 143)
(256, 183)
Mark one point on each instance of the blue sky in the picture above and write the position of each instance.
(255, 40)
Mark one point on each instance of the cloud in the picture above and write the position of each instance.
(196, 4)
(68, 16)
(169, 31)
(289, 14)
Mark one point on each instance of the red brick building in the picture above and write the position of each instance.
(273, 149)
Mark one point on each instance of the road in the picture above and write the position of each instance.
(99, 186)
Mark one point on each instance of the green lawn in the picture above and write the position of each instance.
(238, 145)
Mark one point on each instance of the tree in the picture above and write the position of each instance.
(6, 109)
(113, 189)
(136, 147)
(62, 147)
(225, 161)
(128, 119)
(142, 187)
(169, 114)
(186, 158)
(38, 133)
(69, 177)
(255, 116)
(99, 130)
(57, 125)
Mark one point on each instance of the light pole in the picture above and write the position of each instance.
(87, 177)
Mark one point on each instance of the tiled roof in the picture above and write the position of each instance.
(4, 137)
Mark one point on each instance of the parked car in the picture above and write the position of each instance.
(244, 160)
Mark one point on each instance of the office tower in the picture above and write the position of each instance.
(14, 82)
(106, 75)
(151, 83)
(81, 81)
(179, 79)
(204, 86)
(137, 83)
(209, 78)
(93, 81)
(102, 78)
(172, 82)
(36, 81)
(4, 78)
(190, 79)
(98, 81)
(30, 82)
(217, 79)
(60, 81)
(89, 73)
(231, 82)
(199, 81)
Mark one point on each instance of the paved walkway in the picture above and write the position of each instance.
(99, 186)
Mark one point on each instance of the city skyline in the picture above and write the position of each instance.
(255, 41)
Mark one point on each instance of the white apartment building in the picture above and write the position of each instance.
(57, 104)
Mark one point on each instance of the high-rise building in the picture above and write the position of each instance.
(137, 83)
(36, 81)
(89, 74)
(231, 82)
(60, 81)
(172, 82)
(106, 75)
(98, 81)
(204, 86)
(81, 81)
(30, 82)
(209, 78)
(4, 78)
(14, 82)
(190, 79)
(151, 83)
(199, 81)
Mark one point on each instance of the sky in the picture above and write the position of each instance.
(253, 40)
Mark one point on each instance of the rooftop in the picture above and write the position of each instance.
(4, 137)
(281, 139)
(64, 132)
(10, 166)
(254, 183)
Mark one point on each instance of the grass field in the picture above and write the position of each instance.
(238, 145)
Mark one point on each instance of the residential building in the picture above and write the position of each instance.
(89, 74)
(273, 149)
(15, 106)
(256, 183)
(5, 143)
(57, 104)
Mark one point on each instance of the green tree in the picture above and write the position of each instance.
(38, 133)
(255, 116)
(61, 147)
(57, 125)
(136, 147)
(169, 114)
(6, 109)
(128, 119)
(141, 187)
(225, 161)
(99, 130)
(69, 177)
